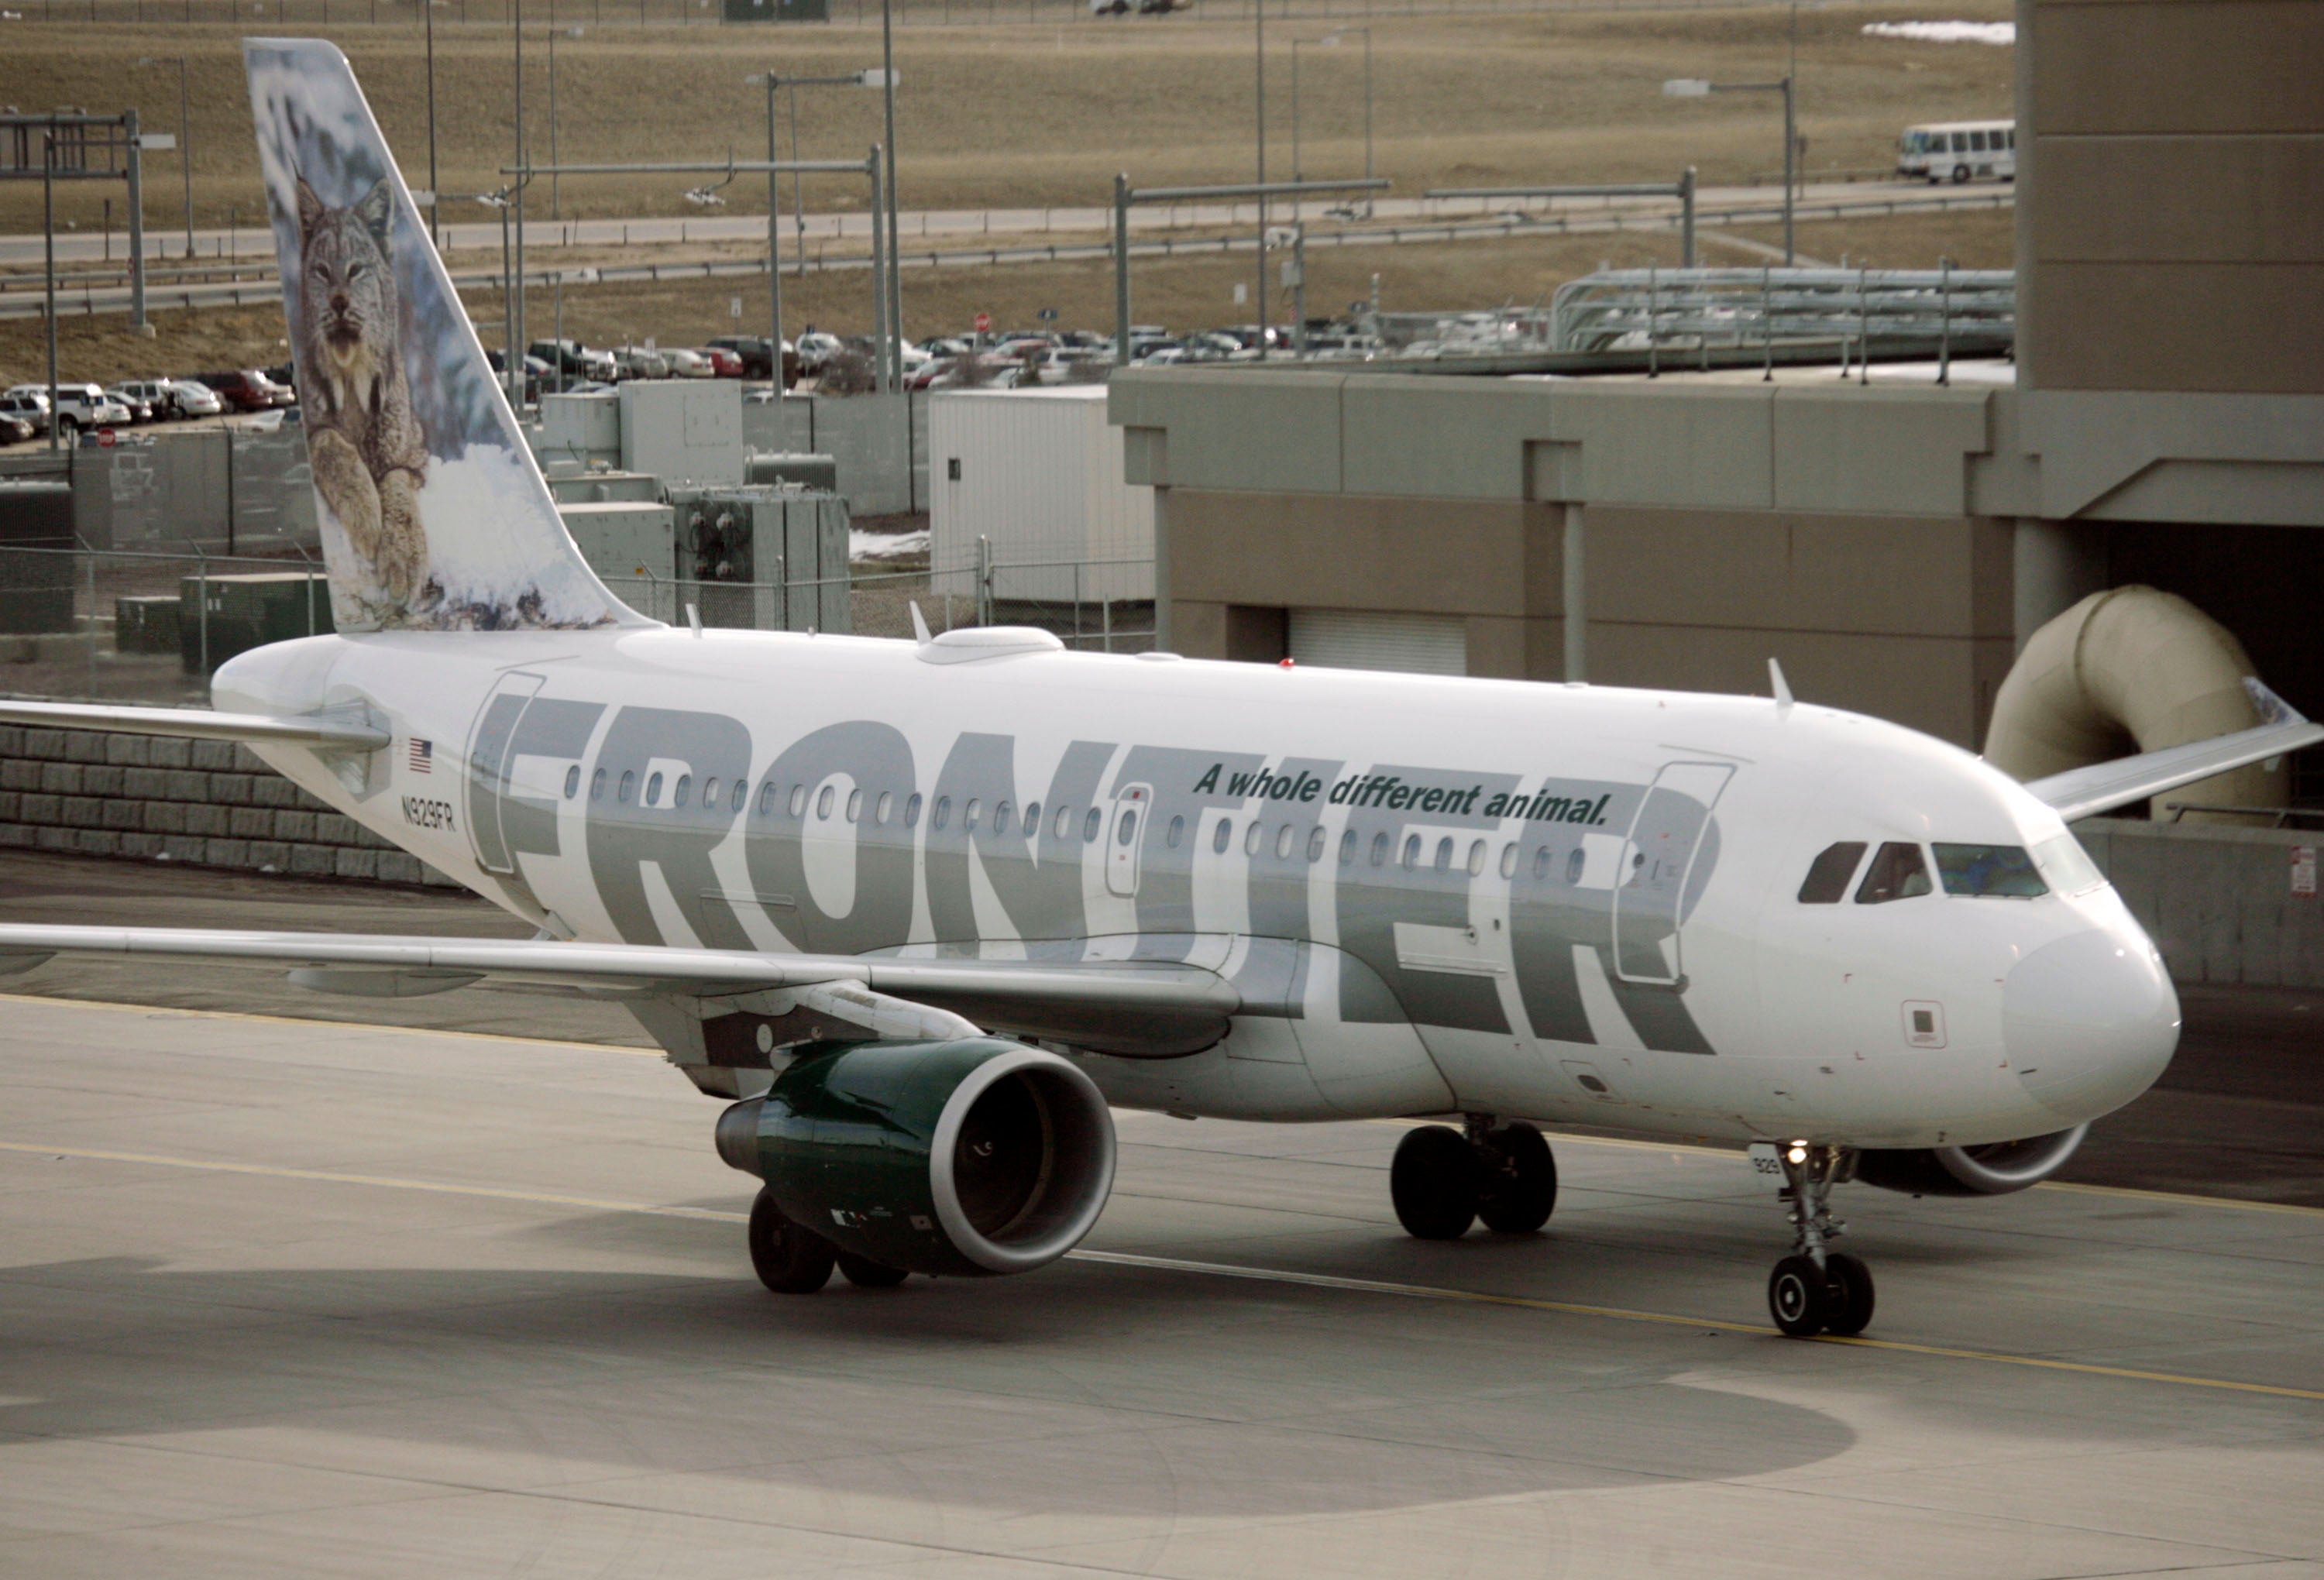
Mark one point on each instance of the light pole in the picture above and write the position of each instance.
(770, 82)
(434, 204)
(1696, 87)
(1332, 40)
(514, 328)
(1258, 68)
(895, 275)
(185, 139)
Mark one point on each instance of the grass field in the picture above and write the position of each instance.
(1007, 115)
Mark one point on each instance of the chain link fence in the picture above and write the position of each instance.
(152, 627)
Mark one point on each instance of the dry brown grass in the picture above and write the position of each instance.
(1185, 293)
(1021, 115)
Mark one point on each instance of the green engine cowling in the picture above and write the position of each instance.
(975, 1157)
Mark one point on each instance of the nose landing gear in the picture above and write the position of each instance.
(1817, 1289)
(1444, 1179)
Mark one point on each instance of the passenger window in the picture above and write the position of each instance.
(654, 791)
(1176, 831)
(1282, 842)
(1509, 859)
(742, 795)
(854, 805)
(1348, 849)
(799, 800)
(1411, 851)
(942, 812)
(1000, 818)
(1977, 142)
(766, 797)
(1128, 827)
(572, 781)
(1575, 861)
(1251, 838)
(685, 785)
(1995, 871)
(1828, 874)
(1315, 844)
(1032, 818)
(1380, 849)
(912, 810)
(1897, 872)
(1221, 835)
(1443, 854)
(1064, 821)
(823, 801)
(622, 794)
(968, 813)
(597, 785)
(1540, 863)
(709, 793)
(886, 803)
(1090, 825)
(1476, 857)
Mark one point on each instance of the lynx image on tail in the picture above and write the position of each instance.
(369, 454)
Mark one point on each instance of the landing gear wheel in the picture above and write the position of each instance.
(790, 1260)
(1849, 1285)
(1433, 1183)
(1519, 1186)
(1798, 1297)
(867, 1274)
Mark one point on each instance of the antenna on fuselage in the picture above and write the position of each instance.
(920, 625)
(1782, 686)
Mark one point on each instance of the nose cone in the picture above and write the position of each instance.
(2090, 1022)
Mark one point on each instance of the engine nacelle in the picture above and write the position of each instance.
(974, 1157)
(1993, 1170)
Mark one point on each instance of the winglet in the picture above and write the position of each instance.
(1783, 687)
(2272, 709)
(920, 625)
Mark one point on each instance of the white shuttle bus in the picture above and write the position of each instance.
(1956, 151)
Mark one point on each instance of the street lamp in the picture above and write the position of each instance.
(554, 212)
(185, 139)
(873, 76)
(1332, 40)
(1697, 87)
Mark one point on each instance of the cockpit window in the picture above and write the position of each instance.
(1898, 872)
(2003, 871)
(2067, 866)
(1827, 883)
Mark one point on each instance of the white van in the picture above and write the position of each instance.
(1955, 151)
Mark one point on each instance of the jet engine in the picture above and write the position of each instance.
(1993, 1169)
(972, 1157)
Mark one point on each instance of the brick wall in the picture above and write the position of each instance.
(210, 803)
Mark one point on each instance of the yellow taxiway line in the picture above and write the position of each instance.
(1208, 1269)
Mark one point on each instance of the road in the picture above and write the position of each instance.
(22, 297)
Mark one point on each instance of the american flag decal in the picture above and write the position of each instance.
(422, 755)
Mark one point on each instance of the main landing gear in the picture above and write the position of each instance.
(1444, 1179)
(791, 1259)
(1817, 1289)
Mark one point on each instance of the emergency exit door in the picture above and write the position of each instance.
(1660, 856)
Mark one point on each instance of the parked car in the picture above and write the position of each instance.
(249, 390)
(635, 361)
(29, 409)
(686, 364)
(192, 397)
(15, 430)
(80, 406)
(575, 360)
(532, 377)
(816, 348)
(723, 363)
(159, 394)
(752, 349)
(140, 410)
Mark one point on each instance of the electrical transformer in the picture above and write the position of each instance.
(764, 557)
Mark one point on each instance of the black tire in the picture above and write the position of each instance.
(1850, 1288)
(1961, 175)
(1798, 1297)
(1433, 1183)
(789, 1260)
(1519, 1190)
(867, 1274)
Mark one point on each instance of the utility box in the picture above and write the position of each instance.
(580, 431)
(597, 487)
(146, 625)
(687, 432)
(219, 617)
(764, 558)
(36, 561)
(816, 471)
(1037, 473)
(630, 545)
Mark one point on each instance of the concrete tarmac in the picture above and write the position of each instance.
(399, 1302)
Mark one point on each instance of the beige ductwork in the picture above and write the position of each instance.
(2130, 670)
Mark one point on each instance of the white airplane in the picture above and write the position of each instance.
(920, 911)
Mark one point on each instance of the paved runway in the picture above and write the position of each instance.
(372, 1301)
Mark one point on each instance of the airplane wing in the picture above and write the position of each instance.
(1111, 1005)
(2103, 786)
(348, 731)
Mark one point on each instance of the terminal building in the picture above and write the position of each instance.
(1893, 541)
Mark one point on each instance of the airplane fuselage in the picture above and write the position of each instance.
(1571, 904)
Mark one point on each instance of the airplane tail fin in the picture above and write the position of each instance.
(434, 515)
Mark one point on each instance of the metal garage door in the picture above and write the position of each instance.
(1351, 638)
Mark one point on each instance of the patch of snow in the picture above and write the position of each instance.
(1945, 32)
(886, 545)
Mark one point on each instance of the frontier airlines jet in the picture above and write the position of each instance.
(918, 912)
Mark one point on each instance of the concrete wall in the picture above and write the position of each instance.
(206, 803)
(881, 451)
(2218, 902)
